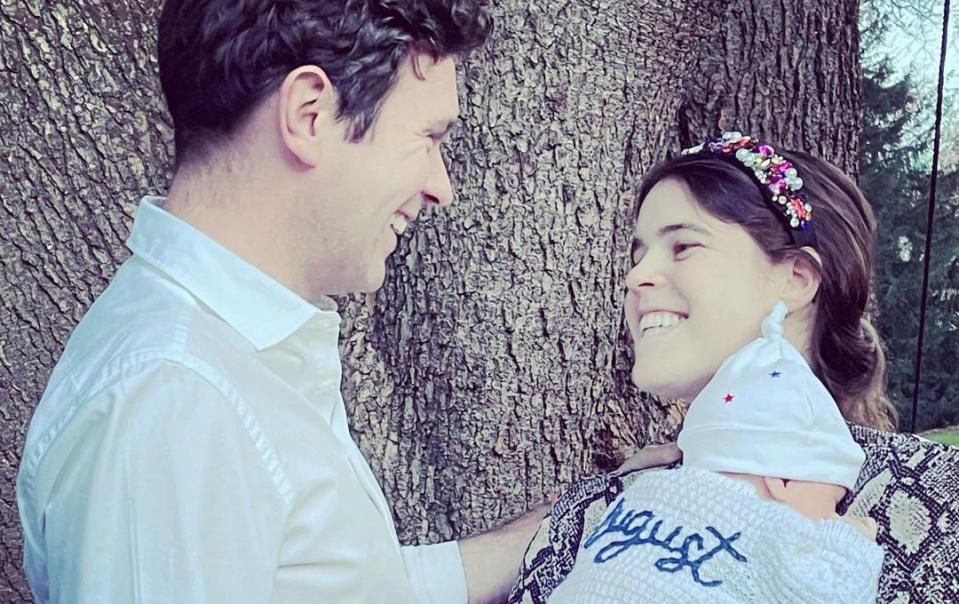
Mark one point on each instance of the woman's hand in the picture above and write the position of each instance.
(864, 524)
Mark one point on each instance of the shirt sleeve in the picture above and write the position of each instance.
(436, 573)
(163, 495)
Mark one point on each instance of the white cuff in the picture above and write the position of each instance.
(436, 573)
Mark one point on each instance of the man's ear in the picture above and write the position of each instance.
(306, 112)
(802, 280)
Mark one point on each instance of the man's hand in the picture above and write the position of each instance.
(492, 559)
(652, 456)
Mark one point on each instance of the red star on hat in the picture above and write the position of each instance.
(728, 398)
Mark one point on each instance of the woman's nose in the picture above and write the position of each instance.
(643, 274)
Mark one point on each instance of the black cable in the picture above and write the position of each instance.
(934, 177)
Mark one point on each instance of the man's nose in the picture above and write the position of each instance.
(439, 189)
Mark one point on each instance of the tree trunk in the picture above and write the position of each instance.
(493, 367)
(498, 339)
(83, 135)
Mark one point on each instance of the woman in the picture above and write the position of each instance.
(721, 235)
(712, 253)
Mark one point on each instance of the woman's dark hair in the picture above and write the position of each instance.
(219, 58)
(847, 354)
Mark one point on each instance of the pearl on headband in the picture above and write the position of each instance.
(776, 176)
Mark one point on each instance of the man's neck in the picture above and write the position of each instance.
(239, 212)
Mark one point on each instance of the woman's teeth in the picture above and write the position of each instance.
(657, 322)
(399, 224)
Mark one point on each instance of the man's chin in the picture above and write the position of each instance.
(366, 282)
(374, 281)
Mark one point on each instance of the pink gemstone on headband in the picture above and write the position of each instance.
(765, 150)
(799, 206)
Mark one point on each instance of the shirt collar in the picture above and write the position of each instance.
(261, 309)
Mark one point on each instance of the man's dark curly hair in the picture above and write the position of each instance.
(219, 58)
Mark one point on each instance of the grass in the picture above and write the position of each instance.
(949, 437)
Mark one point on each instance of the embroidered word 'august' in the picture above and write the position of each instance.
(642, 528)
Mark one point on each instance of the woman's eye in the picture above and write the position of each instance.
(681, 250)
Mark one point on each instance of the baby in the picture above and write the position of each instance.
(751, 515)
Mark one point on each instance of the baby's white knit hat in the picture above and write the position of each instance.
(765, 413)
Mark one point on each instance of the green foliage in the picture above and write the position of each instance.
(895, 166)
(945, 437)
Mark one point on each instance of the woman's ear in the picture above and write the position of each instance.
(803, 278)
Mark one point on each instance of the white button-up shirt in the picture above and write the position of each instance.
(192, 446)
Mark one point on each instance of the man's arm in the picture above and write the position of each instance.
(163, 497)
(492, 559)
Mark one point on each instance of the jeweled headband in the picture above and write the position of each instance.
(775, 175)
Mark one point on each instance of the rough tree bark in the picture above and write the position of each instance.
(493, 366)
(82, 136)
(499, 336)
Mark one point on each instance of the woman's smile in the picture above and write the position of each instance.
(658, 322)
(689, 263)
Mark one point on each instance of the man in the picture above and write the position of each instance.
(192, 444)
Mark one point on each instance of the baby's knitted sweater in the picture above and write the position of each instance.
(691, 535)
